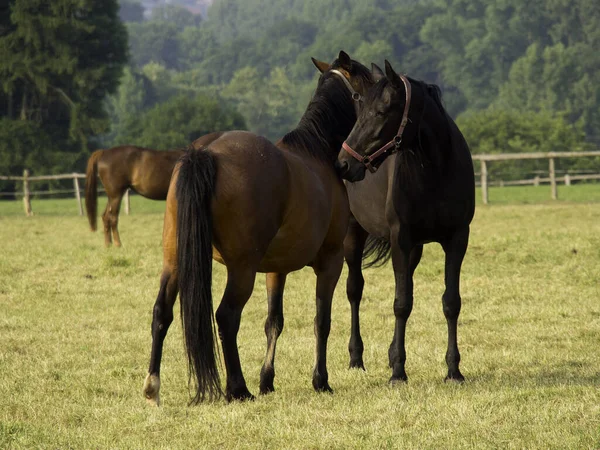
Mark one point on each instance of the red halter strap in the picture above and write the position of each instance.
(395, 142)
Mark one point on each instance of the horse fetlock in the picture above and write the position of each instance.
(267, 375)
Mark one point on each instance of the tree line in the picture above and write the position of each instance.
(517, 76)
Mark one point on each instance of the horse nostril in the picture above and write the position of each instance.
(341, 167)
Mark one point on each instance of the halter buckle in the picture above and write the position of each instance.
(397, 142)
(356, 96)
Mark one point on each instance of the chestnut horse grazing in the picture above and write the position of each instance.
(146, 171)
(255, 207)
(419, 188)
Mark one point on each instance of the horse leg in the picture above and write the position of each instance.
(354, 244)
(273, 328)
(455, 249)
(161, 320)
(328, 268)
(106, 223)
(114, 208)
(240, 282)
(404, 263)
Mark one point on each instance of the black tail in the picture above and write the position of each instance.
(194, 192)
(378, 250)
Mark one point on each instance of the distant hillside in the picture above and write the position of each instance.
(194, 6)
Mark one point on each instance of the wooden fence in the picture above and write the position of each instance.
(484, 159)
(550, 156)
(26, 179)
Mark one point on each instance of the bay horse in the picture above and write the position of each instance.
(419, 188)
(255, 207)
(144, 170)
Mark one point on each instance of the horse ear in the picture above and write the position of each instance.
(345, 60)
(322, 66)
(376, 72)
(391, 75)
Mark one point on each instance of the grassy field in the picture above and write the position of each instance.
(75, 341)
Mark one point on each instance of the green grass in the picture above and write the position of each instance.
(75, 343)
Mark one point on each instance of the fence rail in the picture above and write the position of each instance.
(483, 175)
(26, 179)
(550, 156)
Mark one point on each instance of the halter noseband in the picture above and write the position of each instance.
(395, 142)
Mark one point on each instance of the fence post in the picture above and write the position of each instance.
(26, 199)
(127, 204)
(552, 178)
(536, 180)
(77, 194)
(484, 182)
(567, 179)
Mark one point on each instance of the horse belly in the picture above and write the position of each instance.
(292, 250)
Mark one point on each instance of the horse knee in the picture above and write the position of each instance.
(403, 308)
(354, 287)
(451, 305)
(228, 320)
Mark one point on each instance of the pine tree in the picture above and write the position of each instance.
(58, 61)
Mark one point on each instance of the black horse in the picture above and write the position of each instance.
(420, 189)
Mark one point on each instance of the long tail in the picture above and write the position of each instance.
(91, 189)
(194, 192)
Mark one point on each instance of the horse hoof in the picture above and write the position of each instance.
(454, 378)
(398, 381)
(357, 364)
(264, 390)
(242, 395)
(151, 390)
(266, 380)
(325, 388)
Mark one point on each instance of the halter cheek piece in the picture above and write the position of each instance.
(355, 95)
(394, 144)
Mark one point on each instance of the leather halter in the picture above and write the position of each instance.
(355, 95)
(368, 160)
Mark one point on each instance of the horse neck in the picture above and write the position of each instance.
(324, 126)
(420, 166)
(436, 144)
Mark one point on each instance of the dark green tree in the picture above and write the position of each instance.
(58, 61)
(179, 121)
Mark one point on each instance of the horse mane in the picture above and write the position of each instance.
(328, 119)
